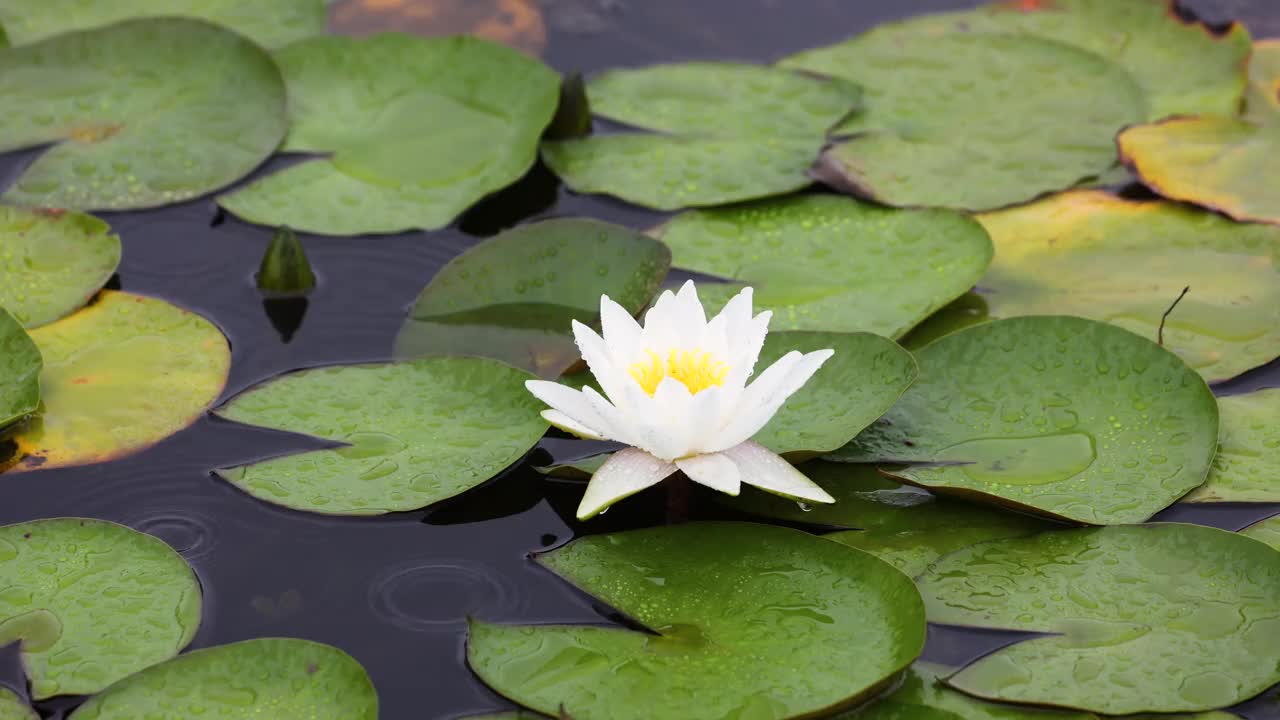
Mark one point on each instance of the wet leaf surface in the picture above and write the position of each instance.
(120, 376)
(922, 696)
(13, 708)
(749, 619)
(52, 263)
(270, 24)
(418, 131)
(1062, 416)
(513, 297)
(20, 365)
(92, 602)
(266, 677)
(724, 132)
(821, 262)
(412, 433)
(1094, 255)
(1263, 100)
(128, 136)
(1267, 531)
(972, 121)
(1155, 618)
(1247, 466)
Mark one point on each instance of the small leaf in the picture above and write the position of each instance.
(53, 262)
(285, 269)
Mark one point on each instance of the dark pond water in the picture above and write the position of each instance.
(394, 591)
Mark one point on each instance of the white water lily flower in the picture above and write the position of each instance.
(677, 393)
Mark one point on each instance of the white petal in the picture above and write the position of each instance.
(575, 405)
(715, 471)
(744, 349)
(601, 361)
(705, 417)
(766, 470)
(661, 325)
(569, 425)
(762, 399)
(692, 318)
(621, 332)
(624, 474)
(736, 313)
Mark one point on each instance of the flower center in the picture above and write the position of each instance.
(695, 369)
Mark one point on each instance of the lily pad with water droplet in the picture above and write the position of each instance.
(747, 621)
(724, 132)
(514, 297)
(265, 677)
(1062, 416)
(11, 706)
(128, 136)
(829, 263)
(20, 365)
(120, 376)
(1095, 255)
(1152, 618)
(270, 24)
(922, 696)
(417, 129)
(410, 434)
(1267, 531)
(92, 602)
(52, 262)
(1247, 466)
(972, 121)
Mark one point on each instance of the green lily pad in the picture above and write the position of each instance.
(748, 621)
(1094, 255)
(270, 24)
(727, 132)
(92, 602)
(1222, 163)
(1154, 618)
(514, 296)
(120, 376)
(821, 262)
(1247, 466)
(1263, 100)
(1062, 416)
(266, 677)
(1266, 531)
(412, 433)
(52, 263)
(1145, 37)
(922, 696)
(20, 365)
(966, 311)
(418, 129)
(972, 121)
(11, 706)
(128, 136)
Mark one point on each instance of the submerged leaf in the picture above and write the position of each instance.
(120, 376)
(77, 588)
(51, 263)
(514, 296)
(410, 434)
(20, 365)
(1153, 618)
(127, 135)
(747, 621)
(1061, 416)
(972, 121)
(265, 677)
(417, 130)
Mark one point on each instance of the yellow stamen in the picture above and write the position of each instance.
(697, 370)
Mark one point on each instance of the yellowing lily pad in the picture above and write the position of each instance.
(1095, 255)
(418, 130)
(92, 602)
(514, 296)
(1148, 38)
(266, 677)
(128, 135)
(1153, 618)
(272, 24)
(1247, 466)
(1263, 101)
(1062, 416)
(1266, 531)
(972, 121)
(821, 262)
(922, 696)
(410, 434)
(727, 132)
(11, 706)
(747, 621)
(51, 263)
(120, 376)
(20, 364)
